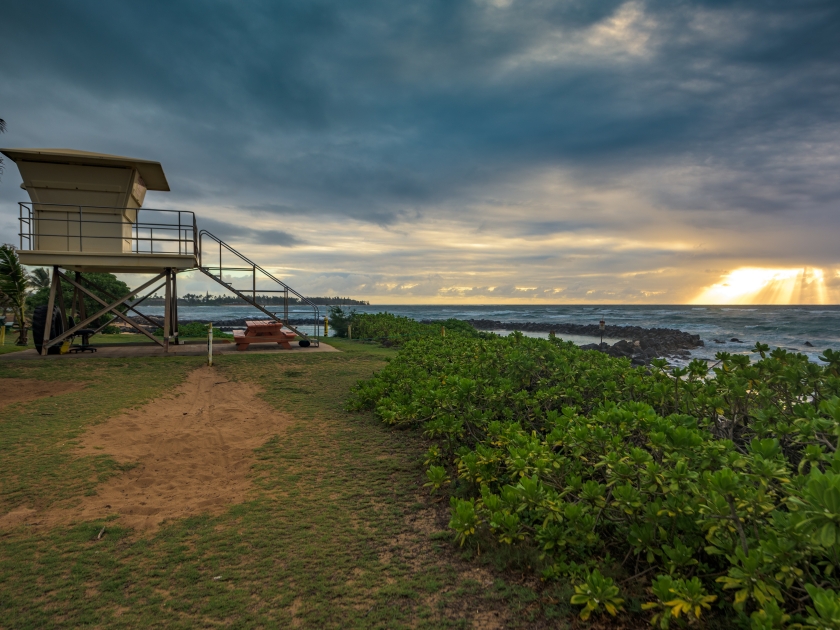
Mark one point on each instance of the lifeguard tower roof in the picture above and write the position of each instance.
(85, 214)
(150, 171)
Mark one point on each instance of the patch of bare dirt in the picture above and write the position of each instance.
(295, 609)
(17, 390)
(193, 452)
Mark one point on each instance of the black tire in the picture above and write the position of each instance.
(304, 343)
(39, 320)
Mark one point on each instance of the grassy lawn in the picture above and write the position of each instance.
(8, 344)
(8, 348)
(98, 340)
(338, 532)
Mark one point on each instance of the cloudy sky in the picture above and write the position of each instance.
(486, 151)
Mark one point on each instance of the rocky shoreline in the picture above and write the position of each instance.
(638, 344)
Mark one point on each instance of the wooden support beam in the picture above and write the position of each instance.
(167, 308)
(108, 308)
(130, 307)
(115, 318)
(49, 318)
(175, 306)
(60, 295)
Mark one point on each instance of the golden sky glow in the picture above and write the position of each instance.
(756, 285)
(444, 259)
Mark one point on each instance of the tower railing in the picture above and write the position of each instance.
(73, 228)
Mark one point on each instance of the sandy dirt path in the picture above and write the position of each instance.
(15, 390)
(193, 452)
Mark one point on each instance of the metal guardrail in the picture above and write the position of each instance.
(243, 265)
(151, 230)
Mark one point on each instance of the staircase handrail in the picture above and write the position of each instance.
(252, 263)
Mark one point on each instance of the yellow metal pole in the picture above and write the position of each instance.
(442, 331)
(3, 332)
(326, 327)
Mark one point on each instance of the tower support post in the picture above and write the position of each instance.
(175, 307)
(167, 309)
(49, 318)
(59, 293)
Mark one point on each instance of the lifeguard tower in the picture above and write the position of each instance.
(86, 214)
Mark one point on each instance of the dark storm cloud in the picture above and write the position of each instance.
(238, 233)
(382, 110)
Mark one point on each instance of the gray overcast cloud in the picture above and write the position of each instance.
(429, 151)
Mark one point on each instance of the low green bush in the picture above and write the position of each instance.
(687, 490)
(395, 330)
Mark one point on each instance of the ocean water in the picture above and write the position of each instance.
(788, 327)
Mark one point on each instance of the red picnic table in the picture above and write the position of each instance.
(263, 331)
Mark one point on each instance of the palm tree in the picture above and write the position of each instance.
(40, 278)
(13, 284)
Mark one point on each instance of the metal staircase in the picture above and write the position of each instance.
(244, 271)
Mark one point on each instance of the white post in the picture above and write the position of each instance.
(210, 345)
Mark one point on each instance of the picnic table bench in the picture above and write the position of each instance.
(263, 331)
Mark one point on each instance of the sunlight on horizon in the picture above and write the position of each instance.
(757, 285)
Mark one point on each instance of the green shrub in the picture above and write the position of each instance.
(340, 320)
(395, 330)
(718, 485)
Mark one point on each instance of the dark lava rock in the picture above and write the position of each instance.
(736, 340)
(809, 344)
(647, 343)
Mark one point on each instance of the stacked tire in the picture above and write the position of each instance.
(39, 322)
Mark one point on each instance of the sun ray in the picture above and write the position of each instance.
(758, 285)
